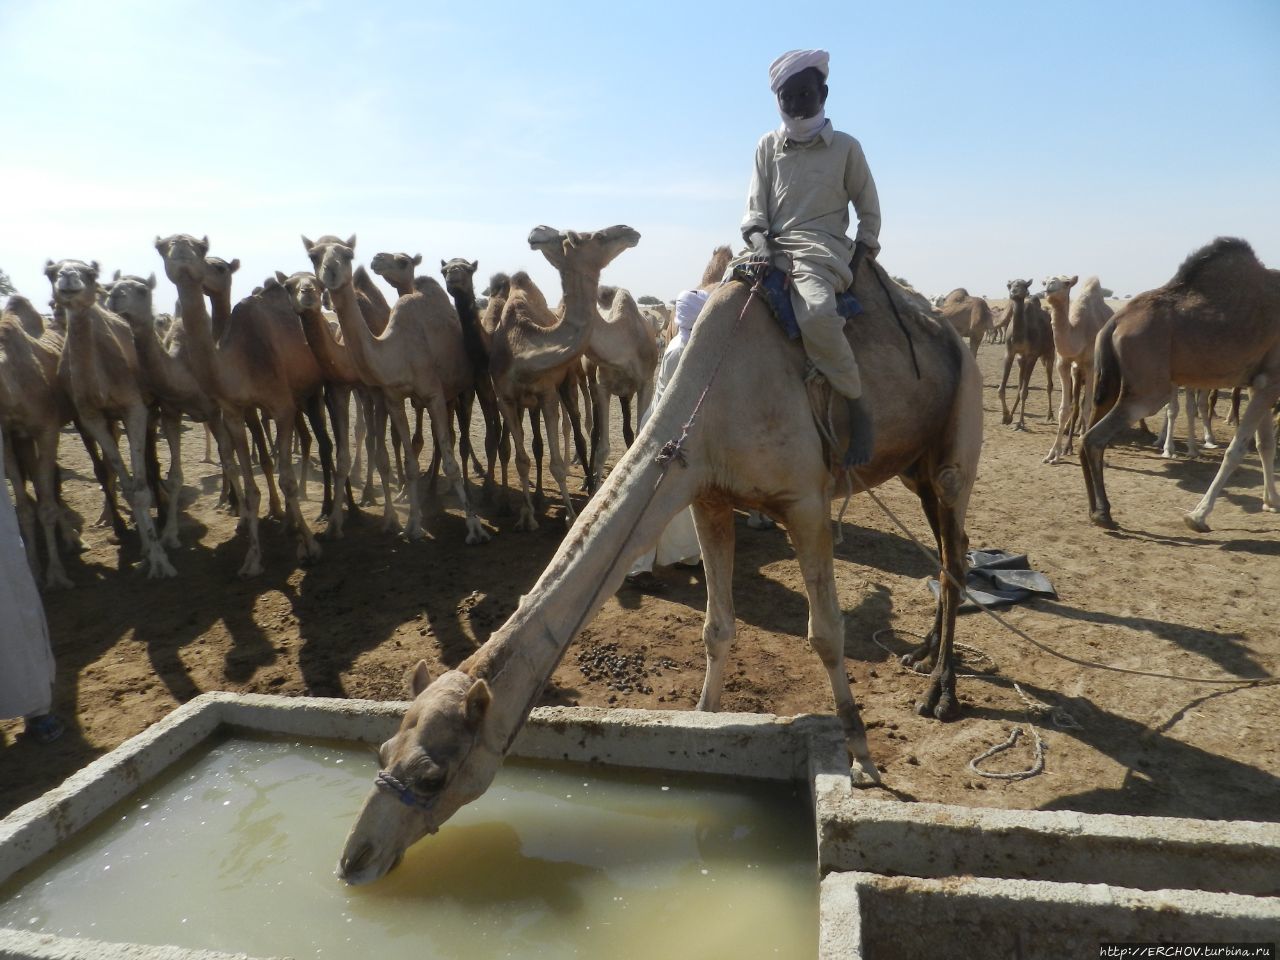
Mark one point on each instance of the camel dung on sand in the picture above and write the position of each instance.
(742, 447)
(1215, 324)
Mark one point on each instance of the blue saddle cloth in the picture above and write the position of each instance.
(776, 287)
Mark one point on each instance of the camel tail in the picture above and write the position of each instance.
(1106, 372)
(716, 267)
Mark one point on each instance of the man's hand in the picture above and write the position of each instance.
(758, 243)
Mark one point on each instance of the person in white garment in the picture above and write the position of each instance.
(678, 544)
(26, 657)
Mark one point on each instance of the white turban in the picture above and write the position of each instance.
(688, 306)
(794, 61)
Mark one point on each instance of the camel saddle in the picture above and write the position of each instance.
(775, 289)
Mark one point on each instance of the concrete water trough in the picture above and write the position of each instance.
(892, 879)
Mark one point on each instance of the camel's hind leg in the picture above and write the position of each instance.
(714, 524)
(809, 526)
(1256, 418)
(550, 416)
(947, 521)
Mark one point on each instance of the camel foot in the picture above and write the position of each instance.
(526, 521)
(476, 533)
(170, 539)
(1195, 523)
(1006, 419)
(863, 774)
(939, 704)
(1051, 457)
(159, 567)
(414, 532)
(57, 580)
(252, 565)
(1210, 445)
(367, 498)
(1020, 426)
(1270, 508)
(308, 550)
(1102, 518)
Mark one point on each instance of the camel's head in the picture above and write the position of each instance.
(183, 257)
(218, 275)
(74, 282)
(437, 762)
(458, 274)
(1054, 286)
(305, 291)
(1018, 289)
(584, 251)
(395, 268)
(331, 258)
(130, 297)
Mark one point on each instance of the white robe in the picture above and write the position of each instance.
(679, 541)
(26, 658)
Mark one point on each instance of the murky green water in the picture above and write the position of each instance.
(235, 851)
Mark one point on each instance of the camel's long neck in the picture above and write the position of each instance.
(379, 311)
(356, 333)
(161, 370)
(1059, 312)
(568, 338)
(198, 328)
(1018, 325)
(333, 357)
(473, 338)
(221, 313)
(624, 518)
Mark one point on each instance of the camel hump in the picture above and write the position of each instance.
(1207, 265)
(716, 266)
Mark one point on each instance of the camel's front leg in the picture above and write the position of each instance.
(378, 455)
(308, 549)
(400, 430)
(1252, 420)
(599, 406)
(339, 402)
(1048, 387)
(809, 525)
(1006, 414)
(551, 417)
(1064, 402)
(512, 415)
(1170, 420)
(172, 426)
(137, 429)
(244, 488)
(714, 524)
(25, 511)
(1025, 369)
(254, 424)
(438, 410)
(49, 510)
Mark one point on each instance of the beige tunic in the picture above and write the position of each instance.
(800, 195)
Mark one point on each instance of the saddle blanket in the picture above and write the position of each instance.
(776, 287)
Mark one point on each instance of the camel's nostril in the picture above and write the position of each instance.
(353, 862)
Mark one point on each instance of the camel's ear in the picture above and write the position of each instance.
(50, 270)
(159, 242)
(271, 283)
(442, 266)
(204, 245)
(151, 281)
(477, 703)
(420, 679)
(1072, 281)
(306, 244)
(281, 277)
(474, 265)
(234, 265)
(417, 259)
(351, 241)
(94, 268)
(115, 276)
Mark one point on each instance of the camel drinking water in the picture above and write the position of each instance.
(743, 446)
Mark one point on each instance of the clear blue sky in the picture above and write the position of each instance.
(1007, 139)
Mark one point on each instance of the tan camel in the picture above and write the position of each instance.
(171, 380)
(261, 361)
(420, 357)
(1075, 328)
(396, 269)
(98, 369)
(33, 409)
(534, 353)
(622, 355)
(742, 447)
(342, 378)
(970, 316)
(1215, 324)
(1030, 340)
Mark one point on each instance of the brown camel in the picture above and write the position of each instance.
(1215, 324)
(33, 409)
(1030, 339)
(622, 358)
(534, 352)
(970, 316)
(1075, 328)
(420, 357)
(98, 369)
(742, 447)
(19, 308)
(261, 361)
(459, 281)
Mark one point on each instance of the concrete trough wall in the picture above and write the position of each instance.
(905, 918)
(901, 880)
